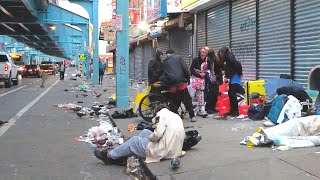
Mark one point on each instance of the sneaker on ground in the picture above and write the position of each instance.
(103, 156)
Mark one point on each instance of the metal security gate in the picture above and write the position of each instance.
(131, 64)
(201, 30)
(163, 44)
(274, 39)
(138, 63)
(307, 41)
(146, 57)
(218, 27)
(243, 36)
(180, 42)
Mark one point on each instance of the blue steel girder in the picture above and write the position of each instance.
(55, 15)
(92, 8)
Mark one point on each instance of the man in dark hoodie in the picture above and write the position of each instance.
(233, 71)
(155, 71)
(177, 76)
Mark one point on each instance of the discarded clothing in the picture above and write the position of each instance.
(276, 107)
(292, 109)
(298, 132)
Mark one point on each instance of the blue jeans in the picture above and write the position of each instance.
(134, 146)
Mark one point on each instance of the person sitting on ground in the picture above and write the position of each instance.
(177, 77)
(164, 143)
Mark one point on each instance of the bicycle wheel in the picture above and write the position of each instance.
(148, 104)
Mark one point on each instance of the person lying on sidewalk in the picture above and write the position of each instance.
(164, 143)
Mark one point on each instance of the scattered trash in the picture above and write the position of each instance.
(104, 135)
(192, 138)
(81, 113)
(175, 162)
(134, 168)
(284, 148)
(3, 122)
(123, 114)
(80, 102)
(66, 90)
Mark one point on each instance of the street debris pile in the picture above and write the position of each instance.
(105, 135)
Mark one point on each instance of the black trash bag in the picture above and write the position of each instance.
(255, 112)
(192, 138)
(123, 114)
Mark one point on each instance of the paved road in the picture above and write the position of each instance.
(40, 143)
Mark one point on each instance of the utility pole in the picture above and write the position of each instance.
(122, 56)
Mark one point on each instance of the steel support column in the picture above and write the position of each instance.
(92, 8)
(122, 56)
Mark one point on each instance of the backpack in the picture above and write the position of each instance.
(255, 112)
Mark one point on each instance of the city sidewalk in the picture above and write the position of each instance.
(220, 156)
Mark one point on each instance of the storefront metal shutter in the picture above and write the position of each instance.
(146, 57)
(201, 30)
(307, 41)
(131, 64)
(274, 39)
(138, 63)
(163, 44)
(218, 27)
(243, 36)
(180, 42)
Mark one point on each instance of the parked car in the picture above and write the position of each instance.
(31, 70)
(48, 67)
(8, 70)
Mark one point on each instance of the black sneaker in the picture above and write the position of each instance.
(103, 156)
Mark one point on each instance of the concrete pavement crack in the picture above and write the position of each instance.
(298, 168)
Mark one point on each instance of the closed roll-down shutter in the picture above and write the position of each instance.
(138, 63)
(163, 44)
(201, 30)
(307, 41)
(243, 36)
(180, 42)
(131, 63)
(218, 27)
(147, 56)
(274, 39)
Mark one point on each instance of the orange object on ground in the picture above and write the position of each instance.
(131, 127)
(243, 110)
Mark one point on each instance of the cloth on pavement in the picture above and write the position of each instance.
(298, 132)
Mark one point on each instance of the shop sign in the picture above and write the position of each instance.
(174, 6)
(185, 3)
(156, 9)
(134, 16)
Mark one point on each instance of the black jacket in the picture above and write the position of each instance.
(233, 66)
(154, 71)
(196, 64)
(175, 70)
